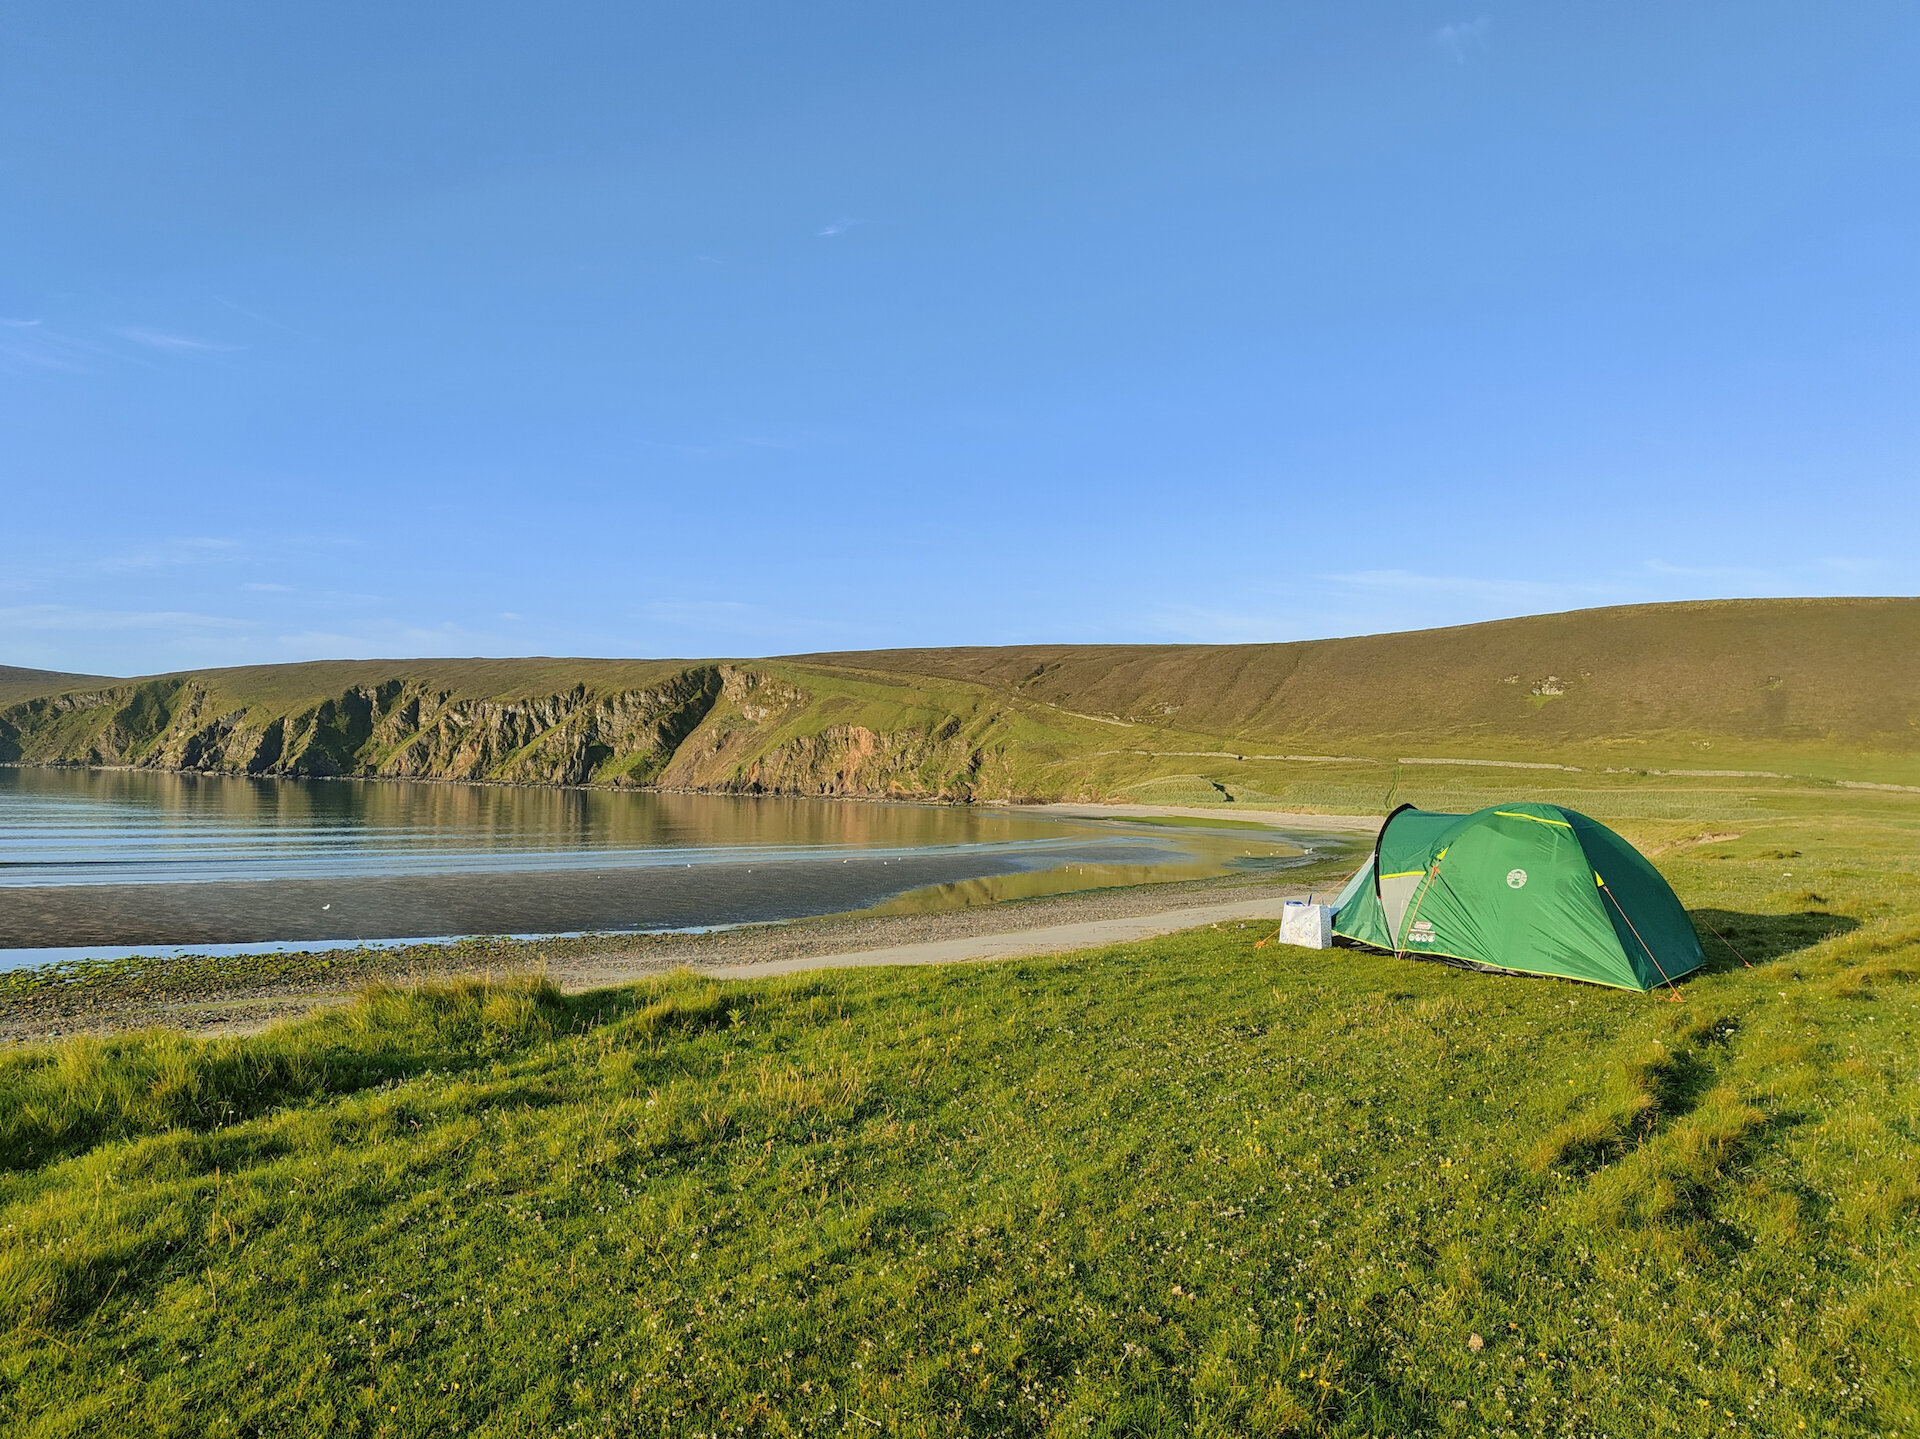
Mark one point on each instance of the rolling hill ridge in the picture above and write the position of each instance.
(1825, 687)
(1830, 671)
(19, 684)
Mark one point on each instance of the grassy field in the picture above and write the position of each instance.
(1178, 1187)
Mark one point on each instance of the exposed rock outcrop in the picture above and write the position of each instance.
(850, 759)
(727, 728)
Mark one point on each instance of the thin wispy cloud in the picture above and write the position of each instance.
(259, 318)
(78, 566)
(1651, 581)
(136, 641)
(1463, 38)
(1851, 564)
(171, 344)
(16, 620)
(1741, 574)
(738, 619)
(1509, 591)
(732, 448)
(34, 344)
(1815, 575)
(837, 227)
(391, 635)
(1198, 624)
(41, 359)
(167, 554)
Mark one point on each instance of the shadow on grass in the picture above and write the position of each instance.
(1729, 937)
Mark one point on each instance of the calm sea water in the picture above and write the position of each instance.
(107, 862)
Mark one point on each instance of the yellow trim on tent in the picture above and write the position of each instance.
(1515, 814)
(1403, 874)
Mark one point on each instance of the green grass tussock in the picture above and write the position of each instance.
(60, 1100)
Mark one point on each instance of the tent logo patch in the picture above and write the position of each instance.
(1421, 933)
(1516, 878)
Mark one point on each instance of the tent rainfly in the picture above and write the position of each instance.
(1521, 889)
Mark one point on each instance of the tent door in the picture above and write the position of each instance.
(1396, 893)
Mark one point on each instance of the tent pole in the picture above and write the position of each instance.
(1643, 944)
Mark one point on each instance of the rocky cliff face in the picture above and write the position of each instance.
(839, 760)
(725, 728)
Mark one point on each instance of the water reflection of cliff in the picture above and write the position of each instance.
(118, 857)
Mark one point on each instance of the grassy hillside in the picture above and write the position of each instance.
(18, 684)
(1176, 1187)
(753, 726)
(1752, 675)
(1822, 688)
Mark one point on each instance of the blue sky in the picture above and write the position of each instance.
(744, 329)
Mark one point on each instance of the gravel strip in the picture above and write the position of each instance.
(245, 994)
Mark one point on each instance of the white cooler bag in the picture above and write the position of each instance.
(1308, 925)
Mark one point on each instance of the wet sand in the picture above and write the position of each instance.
(247, 994)
(556, 901)
(244, 1002)
(1353, 824)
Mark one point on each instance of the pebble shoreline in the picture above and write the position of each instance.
(246, 993)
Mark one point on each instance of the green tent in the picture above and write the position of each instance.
(1521, 888)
